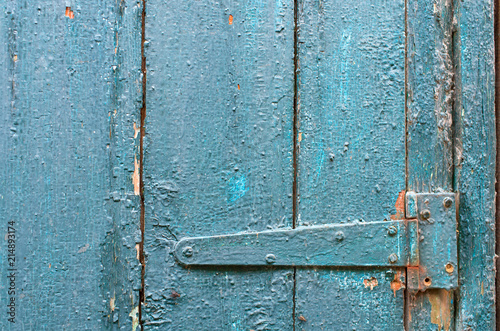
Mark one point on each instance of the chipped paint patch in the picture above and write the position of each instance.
(69, 13)
(135, 177)
(135, 318)
(400, 207)
(237, 188)
(83, 249)
(370, 282)
(230, 19)
(138, 249)
(440, 308)
(136, 130)
(112, 304)
(396, 283)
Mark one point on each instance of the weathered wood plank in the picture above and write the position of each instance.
(218, 157)
(430, 96)
(429, 132)
(475, 160)
(69, 147)
(351, 150)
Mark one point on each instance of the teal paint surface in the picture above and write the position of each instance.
(430, 95)
(218, 157)
(475, 163)
(69, 102)
(351, 150)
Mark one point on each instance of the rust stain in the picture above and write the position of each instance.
(302, 318)
(174, 295)
(440, 308)
(238, 86)
(396, 283)
(136, 130)
(230, 19)
(135, 177)
(69, 13)
(400, 207)
(370, 282)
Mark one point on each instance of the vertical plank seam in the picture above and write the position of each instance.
(295, 143)
(141, 161)
(455, 295)
(406, 293)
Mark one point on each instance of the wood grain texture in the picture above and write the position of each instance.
(351, 149)
(430, 95)
(68, 154)
(218, 157)
(475, 160)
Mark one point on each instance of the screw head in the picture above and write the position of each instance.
(393, 258)
(187, 251)
(392, 231)
(270, 258)
(447, 202)
(339, 236)
(425, 214)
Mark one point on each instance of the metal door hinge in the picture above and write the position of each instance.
(425, 242)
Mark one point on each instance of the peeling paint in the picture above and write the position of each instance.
(136, 130)
(69, 13)
(138, 249)
(84, 248)
(440, 308)
(400, 207)
(135, 177)
(371, 283)
(112, 304)
(135, 318)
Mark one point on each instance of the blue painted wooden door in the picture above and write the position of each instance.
(129, 125)
(268, 114)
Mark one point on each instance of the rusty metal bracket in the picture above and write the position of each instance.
(436, 214)
(425, 242)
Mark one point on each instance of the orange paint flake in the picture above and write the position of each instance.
(238, 86)
(135, 177)
(230, 19)
(400, 207)
(371, 283)
(69, 13)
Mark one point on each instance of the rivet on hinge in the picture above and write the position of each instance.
(393, 258)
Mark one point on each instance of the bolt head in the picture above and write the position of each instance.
(392, 230)
(187, 251)
(339, 236)
(270, 258)
(393, 258)
(425, 214)
(447, 202)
